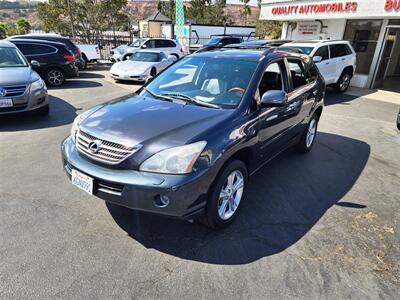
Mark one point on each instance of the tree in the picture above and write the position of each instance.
(5, 30)
(269, 29)
(167, 8)
(246, 10)
(208, 12)
(84, 17)
(23, 26)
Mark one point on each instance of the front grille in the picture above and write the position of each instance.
(110, 188)
(13, 91)
(107, 152)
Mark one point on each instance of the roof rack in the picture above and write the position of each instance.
(267, 49)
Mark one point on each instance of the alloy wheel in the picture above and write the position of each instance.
(311, 131)
(230, 195)
(345, 82)
(55, 77)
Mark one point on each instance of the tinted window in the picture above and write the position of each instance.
(150, 44)
(323, 52)
(36, 49)
(297, 73)
(145, 56)
(339, 50)
(170, 44)
(272, 78)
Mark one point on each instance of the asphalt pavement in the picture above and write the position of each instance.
(322, 225)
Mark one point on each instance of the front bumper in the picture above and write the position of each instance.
(127, 77)
(27, 102)
(141, 190)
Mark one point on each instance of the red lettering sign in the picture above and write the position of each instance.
(336, 7)
(392, 5)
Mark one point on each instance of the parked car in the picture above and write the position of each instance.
(336, 60)
(168, 46)
(185, 144)
(217, 42)
(21, 88)
(80, 61)
(141, 65)
(89, 53)
(52, 60)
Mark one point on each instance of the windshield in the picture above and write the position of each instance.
(137, 43)
(11, 57)
(146, 56)
(213, 41)
(220, 82)
(305, 50)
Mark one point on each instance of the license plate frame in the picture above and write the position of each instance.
(6, 102)
(82, 181)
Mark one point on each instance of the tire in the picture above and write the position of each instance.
(220, 212)
(307, 139)
(344, 82)
(85, 62)
(153, 72)
(55, 77)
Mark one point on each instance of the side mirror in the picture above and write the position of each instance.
(126, 56)
(35, 63)
(143, 47)
(317, 59)
(274, 98)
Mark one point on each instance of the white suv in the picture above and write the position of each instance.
(168, 46)
(336, 60)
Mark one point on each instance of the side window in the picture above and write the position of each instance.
(297, 73)
(272, 78)
(24, 48)
(311, 72)
(323, 52)
(170, 44)
(338, 50)
(150, 44)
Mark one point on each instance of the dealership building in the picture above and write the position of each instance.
(372, 26)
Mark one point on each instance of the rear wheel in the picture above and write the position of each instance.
(55, 77)
(225, 196)
(85, 61)
(308, 137)
(344, 82)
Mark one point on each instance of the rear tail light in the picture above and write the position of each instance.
(78, 51)
(69, 57)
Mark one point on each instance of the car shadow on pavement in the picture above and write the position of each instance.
(61, 113)
(77, 84)
(285, 200)
(332, 97)
(90, 75)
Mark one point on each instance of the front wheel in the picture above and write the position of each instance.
(226, 195)
(308, 137)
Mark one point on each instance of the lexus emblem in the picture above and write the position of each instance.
(94, 146)
(3, 92)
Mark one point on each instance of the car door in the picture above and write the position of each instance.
(272, 122)
(340, 58)
(325, 66)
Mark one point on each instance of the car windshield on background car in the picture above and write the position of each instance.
(213, 41)
(146, 56)
(137, 43)
(207, 81)
(10, 57)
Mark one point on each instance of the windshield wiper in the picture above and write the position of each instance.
(162, 97)
(190, 100)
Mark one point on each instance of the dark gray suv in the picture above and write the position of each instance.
(186, 143)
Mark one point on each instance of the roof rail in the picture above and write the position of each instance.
(267, 49)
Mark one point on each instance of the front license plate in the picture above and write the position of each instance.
(82, 181)
(6, 103)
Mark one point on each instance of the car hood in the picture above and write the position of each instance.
(151, 122)
(132, 67)
(15, 76)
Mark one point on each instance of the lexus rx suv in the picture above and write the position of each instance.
(21, 88)
(336, 60)
(185, 145)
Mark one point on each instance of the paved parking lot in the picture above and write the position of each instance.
(324, 225)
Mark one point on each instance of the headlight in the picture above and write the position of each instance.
(80, 118)
(177, 160)
(37, 85)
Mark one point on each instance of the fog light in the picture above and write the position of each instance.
(161, 201)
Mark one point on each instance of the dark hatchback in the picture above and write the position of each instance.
(53, 61)
(185, 144)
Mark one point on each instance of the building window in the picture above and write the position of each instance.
(363, 35)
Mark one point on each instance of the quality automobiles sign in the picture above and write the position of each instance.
(287, 10)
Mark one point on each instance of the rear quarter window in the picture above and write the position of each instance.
(339, 50)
